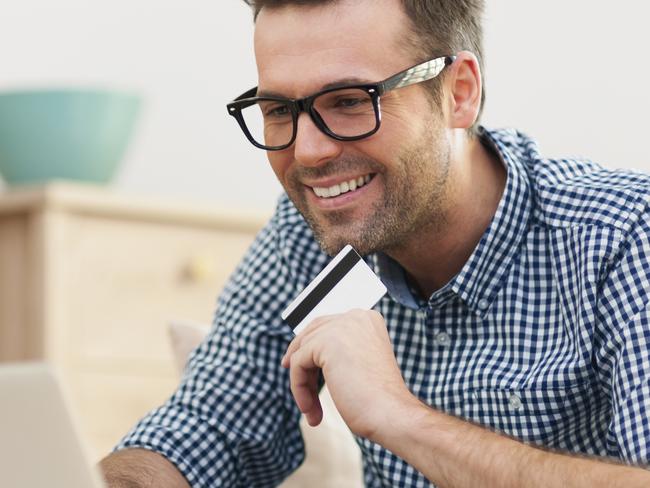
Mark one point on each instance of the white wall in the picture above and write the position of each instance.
(572, 73)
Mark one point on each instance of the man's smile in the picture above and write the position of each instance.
(334, 196)
(335, 190)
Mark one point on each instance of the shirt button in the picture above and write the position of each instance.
(515, 402)
(483, 304)
(442, 339)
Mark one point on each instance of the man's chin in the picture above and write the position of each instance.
(333, 239)
(334, 230)
(330, 240)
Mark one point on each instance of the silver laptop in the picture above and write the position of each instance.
(39, 444)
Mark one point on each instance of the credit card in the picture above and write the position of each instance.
(347, 282)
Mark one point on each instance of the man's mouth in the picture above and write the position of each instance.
(343, 187)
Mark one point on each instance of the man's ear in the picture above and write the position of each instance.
(463, 80)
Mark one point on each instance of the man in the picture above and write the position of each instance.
(517, 286)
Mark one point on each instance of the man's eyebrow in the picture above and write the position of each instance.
(345, 82)
(342, 83)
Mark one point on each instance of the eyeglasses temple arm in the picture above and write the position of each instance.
(248, 94)
(416, 74)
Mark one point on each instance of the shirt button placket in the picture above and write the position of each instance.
(515, 402)
(442, 339)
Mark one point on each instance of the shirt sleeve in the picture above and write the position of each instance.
(629, 429)
(232, 421)
(623, 355)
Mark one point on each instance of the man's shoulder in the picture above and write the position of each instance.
(281, 261)
(573, 192)
(570, 192)
(289, 238)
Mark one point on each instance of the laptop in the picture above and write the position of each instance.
(39, 444)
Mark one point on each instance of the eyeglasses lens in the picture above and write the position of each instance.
(348, 112)
(269, 122)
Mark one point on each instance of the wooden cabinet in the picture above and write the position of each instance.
(89, 281)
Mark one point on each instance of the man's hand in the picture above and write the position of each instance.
(356, 356)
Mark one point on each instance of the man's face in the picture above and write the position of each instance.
(401, 172)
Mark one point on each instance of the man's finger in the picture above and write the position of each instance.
(295, 344)
(304, 386)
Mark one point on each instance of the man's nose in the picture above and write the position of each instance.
(312, 146)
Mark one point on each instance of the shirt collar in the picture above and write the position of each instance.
(481, 277)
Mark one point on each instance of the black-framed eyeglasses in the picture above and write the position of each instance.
(346, 113)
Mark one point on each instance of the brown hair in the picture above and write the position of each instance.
(439, 27)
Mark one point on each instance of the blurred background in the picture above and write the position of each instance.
(572, 74)
(95, 281)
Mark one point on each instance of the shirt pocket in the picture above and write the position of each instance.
(535, 416)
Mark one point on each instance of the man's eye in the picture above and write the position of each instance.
(350, 102)
(277, 111)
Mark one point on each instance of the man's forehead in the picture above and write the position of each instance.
(301, 48)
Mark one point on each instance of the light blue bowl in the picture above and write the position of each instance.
(64, 134)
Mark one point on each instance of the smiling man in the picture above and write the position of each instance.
(513, 346)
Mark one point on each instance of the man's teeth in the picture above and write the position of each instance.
(346, 186)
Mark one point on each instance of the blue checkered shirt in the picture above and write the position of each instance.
(543, 335)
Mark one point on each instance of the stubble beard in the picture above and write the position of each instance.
(415, 201)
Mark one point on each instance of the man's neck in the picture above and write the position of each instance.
(435, 256)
